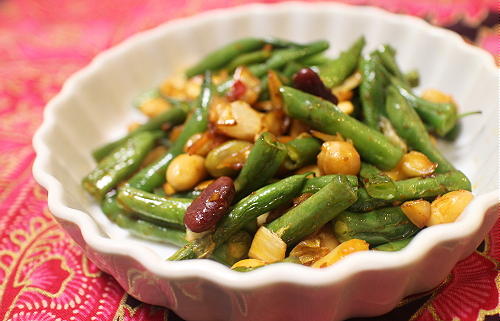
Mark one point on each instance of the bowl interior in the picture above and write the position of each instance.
(98, 103)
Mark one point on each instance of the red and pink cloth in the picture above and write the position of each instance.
(43, 274)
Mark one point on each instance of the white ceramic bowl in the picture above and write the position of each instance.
(94, 107)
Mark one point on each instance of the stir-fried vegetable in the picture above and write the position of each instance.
(267, 152)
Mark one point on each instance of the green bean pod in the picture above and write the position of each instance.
(234, 249)
(281, 57)
(153, 175)
(171, 117)
(310, 215)
(314, 184)
(334, 73)
(394, 245)
(219, 58)
(320, 114)
(167, 212)
(118, 165)
(408, 125)
(250, 58)
(377, 184)
(301, 152)
(440, 117)
(375, 227)
(141, 228)
(414, 188)
(372, 90)
(261, 201)
(263, 162)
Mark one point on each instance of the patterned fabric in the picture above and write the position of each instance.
(43, 274)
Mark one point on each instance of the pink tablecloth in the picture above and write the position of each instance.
(43, 274)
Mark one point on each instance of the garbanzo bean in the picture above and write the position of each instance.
(418, 211)
(416, 164)
(154, 107)
(338, 158)
(446, 208)
(186, 171)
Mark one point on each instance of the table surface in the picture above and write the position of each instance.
(43, 273)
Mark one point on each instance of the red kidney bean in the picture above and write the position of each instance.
(308, 81)
(210, 206)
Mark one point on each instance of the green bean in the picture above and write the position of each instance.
(310, 215)
(301, 152)
(281, 57)
(336, 71)
(153, 175)
(409, 126)
(387, 56)
(314, 184)
(394, 245)
(282, 43)
(441, 117)
(261, 201)
(315, 60)
(375, 227)
(263, 162)
(412, 78)
(171, 117)
(372, 90)
(168, 212)
(141, 228)
(320, 114)
(414, 188)
(219, 58)
(249, 59)
(234, 249)
(118, 165)
(377, 184)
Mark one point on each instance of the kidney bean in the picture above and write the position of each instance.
(210, 206)
(309, 81)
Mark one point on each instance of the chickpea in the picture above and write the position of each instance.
(309, 168)
(448, 207)
(415, 164)
(186, 171)
(418, 212)
(338, 158)
(154, 107)
(436, 96)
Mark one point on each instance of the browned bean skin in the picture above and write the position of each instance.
(210, 206)
(307, 80)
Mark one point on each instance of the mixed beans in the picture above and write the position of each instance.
(270, 151)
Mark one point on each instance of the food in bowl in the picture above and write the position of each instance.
(270, 151)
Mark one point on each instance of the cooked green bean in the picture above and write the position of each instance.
(219, 58)
(281, 57)
(326, 117)
(168, 212)
(171, 117)
(394, 245)
(375, 227)
(310, 215)
(334, 72)
(118, 165)
(377, 184)
(408, 125)
(372, 90)
(314, 184)
(263, 162)
(301, 152)
(414, 188)
(153, 175)
(250, 58)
